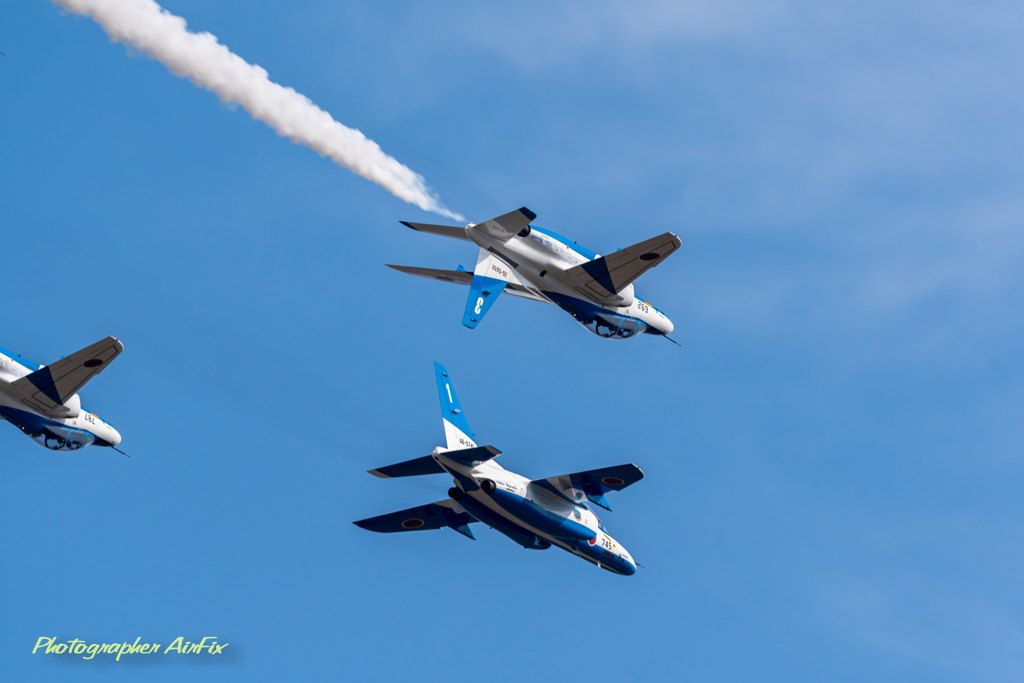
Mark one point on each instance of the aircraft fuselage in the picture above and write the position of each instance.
(530, 515)
(540, 258)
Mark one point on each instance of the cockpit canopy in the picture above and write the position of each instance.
(614, 326)
(62, 438)
(600, 321)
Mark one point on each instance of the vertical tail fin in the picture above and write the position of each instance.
(483, 292)
(490, 277)
(456, 427)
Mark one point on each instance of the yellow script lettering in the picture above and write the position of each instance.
(40, 643)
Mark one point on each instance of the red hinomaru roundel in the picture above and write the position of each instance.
(412, 524)
(612, 481)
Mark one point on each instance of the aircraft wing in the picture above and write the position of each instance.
(592, 484)
(607, 276)
(443, 230)
(505, 227)
(433, 516)
(461, 277)
(50, 386)
(410, 468)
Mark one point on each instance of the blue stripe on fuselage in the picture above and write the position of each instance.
(503, 525)
(33, 423)
(540, 518)
(27, 421)
(22, 361)
(496, 521)
(585, 310)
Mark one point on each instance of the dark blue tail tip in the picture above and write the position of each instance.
(529, 214)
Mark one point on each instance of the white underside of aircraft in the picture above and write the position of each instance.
(532, 263)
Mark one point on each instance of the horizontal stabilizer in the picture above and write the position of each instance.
(409, 468)
(443, 513)
(461, 277)
(49, 387)
(592, 484)
(503, 228)
(605, 277)
(473, 456)
(443, 230)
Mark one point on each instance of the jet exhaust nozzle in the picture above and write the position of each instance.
(488, 486)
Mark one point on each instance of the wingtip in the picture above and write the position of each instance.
(378, 474)
(408, 225)
(529, 214)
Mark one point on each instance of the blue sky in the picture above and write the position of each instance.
(833, 457)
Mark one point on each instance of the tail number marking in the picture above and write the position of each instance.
(446, 386)
(479, 303)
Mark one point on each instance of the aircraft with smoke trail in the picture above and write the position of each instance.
(532, 263)
(536, 514)
(42, 400)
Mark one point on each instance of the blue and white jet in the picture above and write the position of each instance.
(532, 263)
(535, 514)
(42, 400)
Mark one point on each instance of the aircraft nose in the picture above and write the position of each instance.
(115, 436)
(669, 326)
(627, 568)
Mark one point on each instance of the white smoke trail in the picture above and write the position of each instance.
(163, 36)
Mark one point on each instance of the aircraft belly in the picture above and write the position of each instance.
(536, 517)
(529, 263)
(503, 524)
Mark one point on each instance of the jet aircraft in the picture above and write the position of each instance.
(43, 402)
(535, 514)
(532, 263)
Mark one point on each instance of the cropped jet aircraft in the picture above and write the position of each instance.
(532, 263)
(42, 400)
(535, 514)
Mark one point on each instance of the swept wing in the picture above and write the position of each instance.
(605, 277)
(443, 513)
(462, 277)
(592, 484)
(49, 387)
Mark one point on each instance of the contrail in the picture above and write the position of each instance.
(163, 36)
